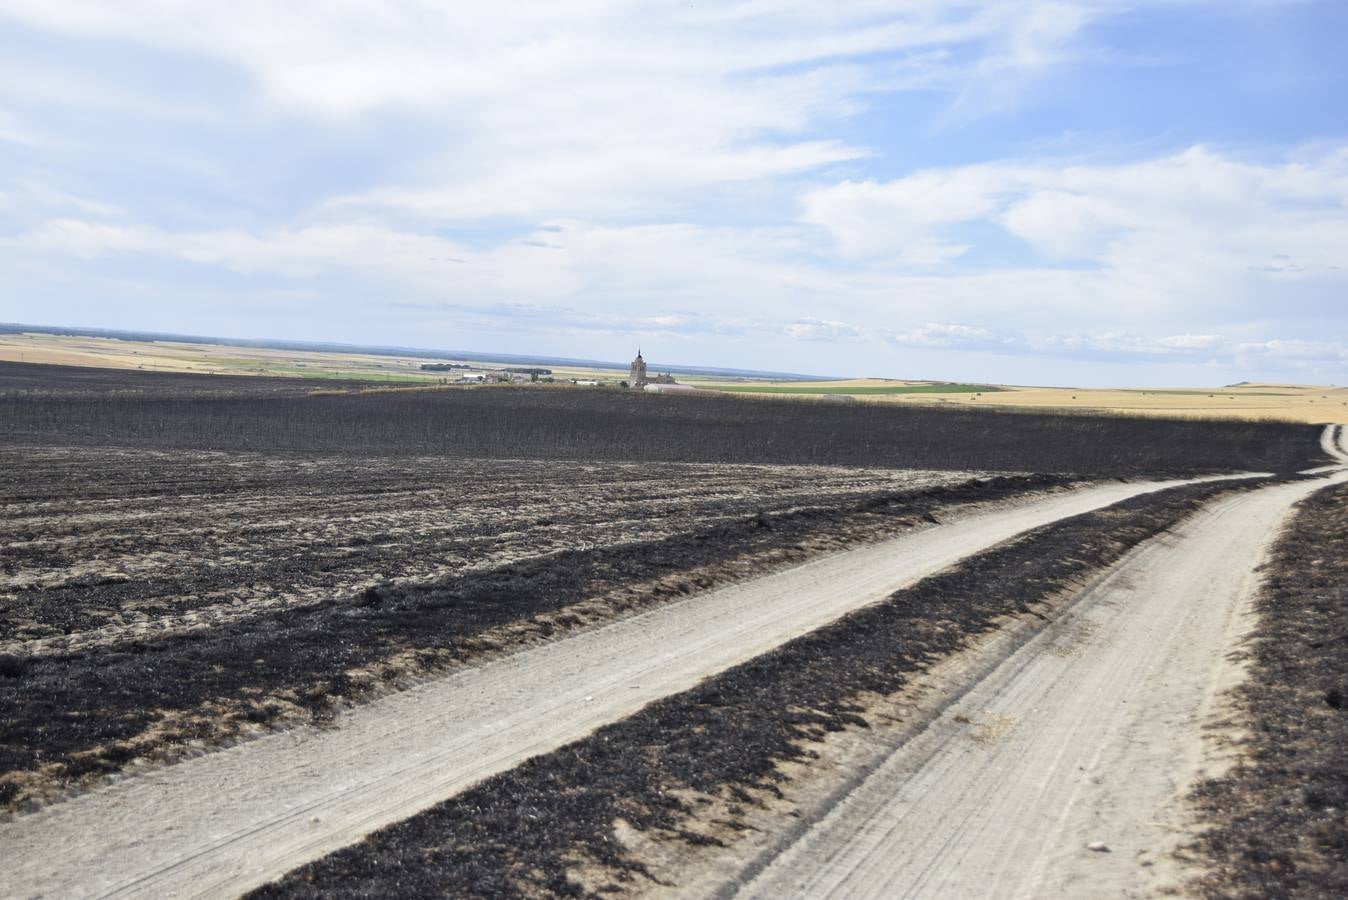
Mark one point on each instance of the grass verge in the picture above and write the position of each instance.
(531, 830)
(1277, 822)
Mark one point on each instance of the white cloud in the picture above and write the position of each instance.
(1185, 240)
(553, 164)
(600, 180)
(1307, 353)
(340, 58)
(936, 334)
(1191, 341)
(1190, 231)
(1032, 43)
(682, 283)
(297, 253)
(562, 107)
(1064, 223)
(812, 329)
(902, 217)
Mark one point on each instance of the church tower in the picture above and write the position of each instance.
(637, 378)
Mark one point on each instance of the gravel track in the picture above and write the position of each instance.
(287, 798)
(1090, 732)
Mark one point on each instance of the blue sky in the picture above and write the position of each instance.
(1069, 192)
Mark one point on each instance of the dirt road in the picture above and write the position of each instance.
(1334, 441)
(230, 820)
(1091, 732)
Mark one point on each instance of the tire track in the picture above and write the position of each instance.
(1334, 441)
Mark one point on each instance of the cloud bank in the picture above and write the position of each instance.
(775, 184)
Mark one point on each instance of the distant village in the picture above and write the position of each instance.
(638, 379)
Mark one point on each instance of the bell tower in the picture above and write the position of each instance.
(637, 377)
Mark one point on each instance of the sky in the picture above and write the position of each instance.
(1075, 192)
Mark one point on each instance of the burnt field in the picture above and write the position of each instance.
(192, 559)
(43, 405)
(155, 600)
(41, 380)
(691, 769)
(1277, 823)
(105, 545)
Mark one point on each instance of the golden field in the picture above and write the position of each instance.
(1296, 403)
(1285, 402)
(222, 359)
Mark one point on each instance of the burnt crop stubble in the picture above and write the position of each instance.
(132, 409)
(531, 830)
(550, 549)
(1276, 824)
(111, 544)
(188, 558)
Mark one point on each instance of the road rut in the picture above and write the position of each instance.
(1089, 732)
(223, 823)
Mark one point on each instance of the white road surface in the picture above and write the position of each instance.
(1334, 441)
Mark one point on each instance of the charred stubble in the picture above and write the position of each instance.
(62, 405)
(71, 716)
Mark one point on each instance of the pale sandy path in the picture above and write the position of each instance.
(1088, 732)
(222, 823)
(1334, 441)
